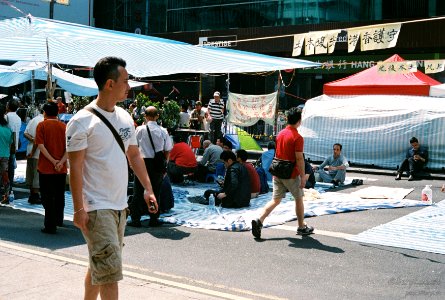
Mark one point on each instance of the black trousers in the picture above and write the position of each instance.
(52, 193)
(215, 130)
(138, 206)
(411, 166)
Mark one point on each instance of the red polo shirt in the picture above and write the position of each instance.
(288, 142)
(183, 155)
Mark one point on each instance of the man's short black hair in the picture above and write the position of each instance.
(339, 145)
(293, 115)
(271, 145)
(413, 140)
(107, 68)
(227, 143)
(51, 109)
(226, 155)
(177, 138)
(13, 105)
(242, 154)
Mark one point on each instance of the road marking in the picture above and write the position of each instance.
(152, 279)
(340, 235)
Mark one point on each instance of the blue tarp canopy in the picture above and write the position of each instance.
(22, 71)
(27, 39)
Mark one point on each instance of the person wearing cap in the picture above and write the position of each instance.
(215, 116)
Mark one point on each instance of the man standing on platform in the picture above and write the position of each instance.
(215, 116)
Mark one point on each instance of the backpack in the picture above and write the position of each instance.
(263, 180)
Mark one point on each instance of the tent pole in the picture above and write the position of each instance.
(33, 88)
(275, 125)
(226, 102)
(200, 87)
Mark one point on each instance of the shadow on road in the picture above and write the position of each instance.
(307, 242)
(22, 227)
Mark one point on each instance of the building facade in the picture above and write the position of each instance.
(254, 26)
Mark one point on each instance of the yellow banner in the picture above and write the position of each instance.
(399, 67)
(379, 36)
(298, 44)
(434, 66)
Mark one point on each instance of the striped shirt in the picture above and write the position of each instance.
(216, 110)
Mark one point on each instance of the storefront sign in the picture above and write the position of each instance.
(218, 41)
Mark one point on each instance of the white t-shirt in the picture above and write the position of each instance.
(14, 123)
(31, 130)
(184, 119)
(105, 174)
(161, 139)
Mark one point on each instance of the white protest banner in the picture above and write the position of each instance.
(434, 66)
(321, 42)
(298, 44)
(379, 36)
(246, 110)
(396, 67)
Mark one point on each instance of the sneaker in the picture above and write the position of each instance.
(335, 182)
(256, 228)
(410, 178)
(306, 230)
(398, 177)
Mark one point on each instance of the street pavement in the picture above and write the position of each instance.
(175, 262)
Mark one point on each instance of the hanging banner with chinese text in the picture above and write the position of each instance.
(320, 42)
(353, 37)
(379, 36)
(298, 44)
(246, 110)
(399, 67)
(434, 66)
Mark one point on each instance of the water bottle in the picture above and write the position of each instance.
(11, 198)
(212, 202)
(427, 194)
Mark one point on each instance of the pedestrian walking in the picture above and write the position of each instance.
(289, 148)
(98, 139)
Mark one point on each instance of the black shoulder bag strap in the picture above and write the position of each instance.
(113, 130)
(151, 139)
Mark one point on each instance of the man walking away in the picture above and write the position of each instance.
(289, 146)
(162, 142)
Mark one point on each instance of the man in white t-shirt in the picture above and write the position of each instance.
(99, 177)
(14, 123)
(32, 154)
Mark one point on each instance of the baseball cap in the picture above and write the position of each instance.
(216, 94)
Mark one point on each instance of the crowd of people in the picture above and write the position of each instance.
(101, 140)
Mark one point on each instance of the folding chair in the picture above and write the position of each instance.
(195, 143)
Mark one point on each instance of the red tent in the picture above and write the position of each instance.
(370, 82)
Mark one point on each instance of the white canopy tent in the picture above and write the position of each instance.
(30, 39)
(374, 129)
(437, 90)
(22, 71)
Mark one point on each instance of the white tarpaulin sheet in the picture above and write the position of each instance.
(22, 71)
(27, 38)
(437, 90)
(246, 110)
(375, 129)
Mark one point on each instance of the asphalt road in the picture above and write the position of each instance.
(280, 266)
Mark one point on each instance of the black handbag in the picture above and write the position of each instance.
(159, 161)
(281, 168)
